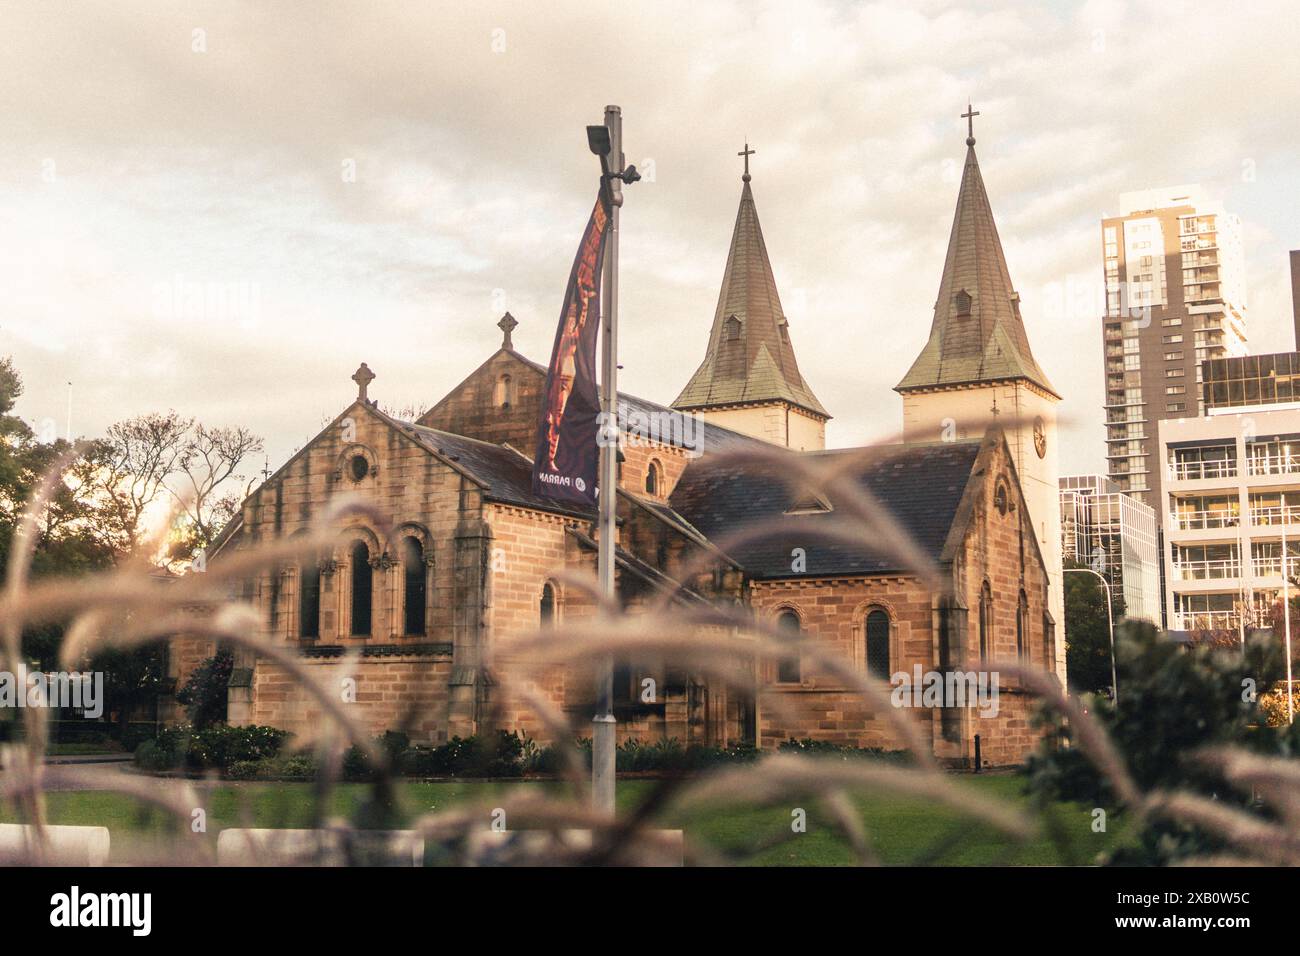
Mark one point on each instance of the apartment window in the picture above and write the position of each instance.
(1167, 323)
(1174, 407)
(1173, 356)
(1176, 390)
(1174, 372)
(1171, 339)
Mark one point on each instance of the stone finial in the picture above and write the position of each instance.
(363, 377)
(507, 325)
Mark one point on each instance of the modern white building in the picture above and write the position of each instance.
(1232, 495)
(1114, 534)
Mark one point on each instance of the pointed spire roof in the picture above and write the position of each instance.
(749, 358)
(977, 334)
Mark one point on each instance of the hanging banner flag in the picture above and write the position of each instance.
(566, 457)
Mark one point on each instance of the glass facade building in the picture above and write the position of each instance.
(1246, 381)
(1115, 534)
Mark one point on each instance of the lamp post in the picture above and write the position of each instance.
(1110, 623)
(1286, 606)
(606, 142)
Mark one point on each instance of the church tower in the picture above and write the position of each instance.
(749, 380)
(977, 367)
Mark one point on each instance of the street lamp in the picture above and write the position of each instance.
(1110, 623)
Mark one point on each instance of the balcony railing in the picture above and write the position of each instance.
(1202, 520)
(1275, 514)
(1193, 470)
(1272, 567)
(1207, 570)
(1207, 620)
(1274, 464)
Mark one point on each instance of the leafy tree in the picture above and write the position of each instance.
(1087, 632)
(98, 514)
(1174, 701)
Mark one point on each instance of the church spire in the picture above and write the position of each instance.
(977, 334)
(750, 359)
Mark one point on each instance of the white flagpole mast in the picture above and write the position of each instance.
(604, 737)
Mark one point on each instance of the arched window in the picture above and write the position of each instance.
(309, 599)
(502, 396)
(986, 621)
(1022, 627)
(789, 671)
(413, 586)
(546, 606)
(878, 643)
(361, 589)
(654, 478)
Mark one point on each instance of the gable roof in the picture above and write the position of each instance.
(749, 356)
(977, 334)
(503, 473)
(682, 429)
(922, 485)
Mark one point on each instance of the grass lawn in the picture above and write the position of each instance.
(901, 831)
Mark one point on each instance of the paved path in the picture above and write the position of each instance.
(103, 775)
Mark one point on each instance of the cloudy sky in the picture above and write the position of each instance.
(223, 208)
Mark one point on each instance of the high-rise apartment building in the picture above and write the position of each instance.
(1114, 534)
(1232, 494)
(1175, 296)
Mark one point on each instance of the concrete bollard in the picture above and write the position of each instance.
(64, 846)
(504, 847)
(266, 847)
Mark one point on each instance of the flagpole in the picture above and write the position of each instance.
(604, 737)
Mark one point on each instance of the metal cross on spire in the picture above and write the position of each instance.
(746, 152)
(969, 117)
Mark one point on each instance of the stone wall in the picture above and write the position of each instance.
(401, 693)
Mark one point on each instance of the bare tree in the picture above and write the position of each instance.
(209, 489)
(131, 466)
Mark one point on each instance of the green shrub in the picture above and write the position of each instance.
(245, 769)
(218, 747)
(150, 756)
(825, 748)
(1174, 703)
(204, 695)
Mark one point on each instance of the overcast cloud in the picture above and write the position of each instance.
(136, 171)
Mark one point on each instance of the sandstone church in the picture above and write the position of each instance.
(473, 557)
